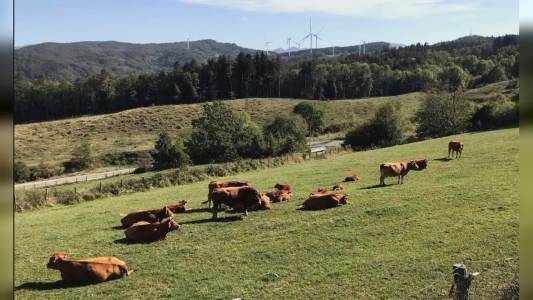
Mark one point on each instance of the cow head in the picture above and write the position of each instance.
(55, 258)
(412, 165)
(173, 225)
(182, 202)
(422, 164)
(343, 199)
(166, 213)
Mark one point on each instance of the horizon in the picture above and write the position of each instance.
(251, 23)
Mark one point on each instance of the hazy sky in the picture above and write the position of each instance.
(250, 23)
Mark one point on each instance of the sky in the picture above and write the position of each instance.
(251, 23)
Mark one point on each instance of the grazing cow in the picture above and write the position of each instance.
(353, 177)
(213, 185)
(178, 208)
(457, 147)
(150, 232)
(338, 187)
(89, 270)
(278, 196)
(239, 198)
(151, 216)
(324, 201)
(283, 187)
(399, 169)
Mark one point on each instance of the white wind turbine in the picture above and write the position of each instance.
(266, 47)
(289, 45)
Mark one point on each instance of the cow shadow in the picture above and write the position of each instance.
(217, 220)
(117, 227)
(443, 159)
(125, 241)
(376, 186)
(198, 210)
(51, 285)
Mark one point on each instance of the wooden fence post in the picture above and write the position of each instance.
(100, 188)
(46, 194)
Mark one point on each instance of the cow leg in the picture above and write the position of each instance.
(215, 210)
(245, 212)
(399, 177)
(382, 180)
(449, 152)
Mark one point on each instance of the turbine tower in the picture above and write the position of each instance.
(289, 44)
(266, 47)
(310, 36)
(188, 44)
(364, 48)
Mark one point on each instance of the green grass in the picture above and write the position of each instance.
(137, 129)
(398, 241)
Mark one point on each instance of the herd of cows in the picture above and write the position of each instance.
(154, 224)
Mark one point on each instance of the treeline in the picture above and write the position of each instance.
(388, 72)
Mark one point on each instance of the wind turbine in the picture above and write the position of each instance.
(317, 38)
(364, 47)
(266, 47)
(289, 44)
(310, 36)
(188, 45)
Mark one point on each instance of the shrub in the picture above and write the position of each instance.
(67, 197)
(143, 157)
(443, 114)
(386, 128)
(313, 116)
(214, 170)
(168, 154)
(81, 158)
(45, 170)
(31, 199)
(21, 172)
(284, 135)
(220, 135)
(495, 114)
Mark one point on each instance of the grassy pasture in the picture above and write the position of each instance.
(398, 241)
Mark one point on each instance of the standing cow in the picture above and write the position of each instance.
(239, 198)
(213, 185)
(455, 147)
(399, 169)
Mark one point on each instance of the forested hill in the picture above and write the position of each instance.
(81, 59)
(467, 63)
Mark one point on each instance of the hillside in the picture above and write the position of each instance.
(81, 59)
(298, 55)
(393, 242)
(136, 129)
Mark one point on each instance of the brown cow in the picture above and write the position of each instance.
(89, 270)
(399, 169)
(278, 196)
(320, 191)
(353, 177)
(213, 185)
(455, 146)
(283, 187)
(178, 208)
(338, 187)
(324, 201)
(150, 215)
(239, 198)
(150, 232)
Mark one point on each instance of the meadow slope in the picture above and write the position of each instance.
(137, 129)
(398, 241)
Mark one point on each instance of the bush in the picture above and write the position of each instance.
(81, 158)
(284, 135)
(495, 114)
(214, 170)
(313, 116)
(168, 154)
(143, 157)
(67, 197)
(443, 114)
(45, 170)
(21, 172)
(31, 199)
(220, 135)
(386, 128)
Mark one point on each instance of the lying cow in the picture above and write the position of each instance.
(151, 216)
(283, 187)
(353, 177)
(89, 270)
(278, 196)
(399, 169)
(338, 187)
(324, 201)
(213, 185)
(144, 232)
(239, 198)
(178, 208)
(455, 146)
(320, 191)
